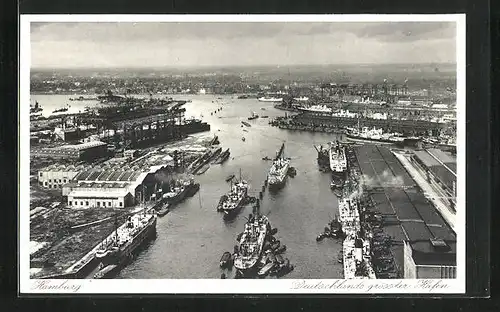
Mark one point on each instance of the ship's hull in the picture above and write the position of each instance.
(276, 181)
(181, 196)
(270, 100)
(245, 264)
(354, 138)
(233, 211)
(126, 252)
(337, 159)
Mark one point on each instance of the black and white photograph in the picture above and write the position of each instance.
(242, 154)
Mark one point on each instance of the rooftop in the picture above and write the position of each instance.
(83, 146)
(419, 219)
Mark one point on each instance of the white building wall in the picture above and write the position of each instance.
(93, 202)
(55, 179)
(410, 270)
(436, 271)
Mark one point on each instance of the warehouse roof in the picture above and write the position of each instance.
(99, 193)
(422, 225)
(84, 146)
(426, 159)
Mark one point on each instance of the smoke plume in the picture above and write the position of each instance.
(386, 179)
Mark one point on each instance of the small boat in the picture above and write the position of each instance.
(275, 245)
(320, 237)
(60, 110)
(265, 270)
(106, 271)
(226, 260)
(279, 259)
(203, 169)
(246, 123)
(164, 210)
(281, 249)
(254, 116)
(229, 177)
(265, 116)
(245, 130)
(243, 139)
(274, 231)
(266, 158)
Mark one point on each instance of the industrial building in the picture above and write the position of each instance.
(85, 151)
(427, 245)
(56, 175)
(118, 185)
(440, 167)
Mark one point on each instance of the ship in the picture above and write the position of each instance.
(374, 136)
(60, 110)
(115, 253)
(338, 164)
(235, 199)
(35, 111)
(254, 116)
(251, 243)
(179, 192)
(316, 109)
(302, 99)
(270, 99)
(35, 108)
(223, 157)
(279, 169)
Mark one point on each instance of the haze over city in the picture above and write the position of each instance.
(121, 45)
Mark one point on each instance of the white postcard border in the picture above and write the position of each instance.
(217, 286)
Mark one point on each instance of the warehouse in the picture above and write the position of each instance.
(118, 184)
(427, 247)
(85, 151)
(439, 166)
(56, 175)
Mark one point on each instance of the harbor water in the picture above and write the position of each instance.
(193, 236)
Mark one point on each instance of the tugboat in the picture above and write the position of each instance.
(265, 269)
(254, 116)
(278, 172)
(251, 243)
(226, 260)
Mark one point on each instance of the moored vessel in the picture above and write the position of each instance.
(270, 99)
(374, 136)
(279, 169)
(235, 199)
(251, 243)
(115, 253)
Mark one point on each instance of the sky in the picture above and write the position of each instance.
(172, 44)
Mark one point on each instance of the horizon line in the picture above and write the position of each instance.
(237, 66)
